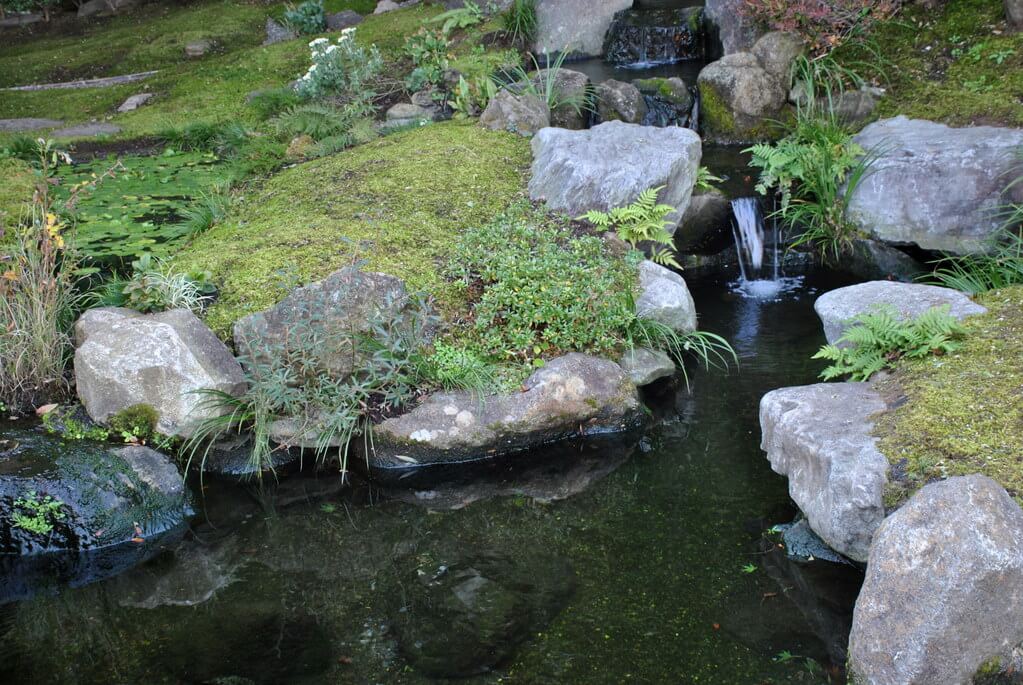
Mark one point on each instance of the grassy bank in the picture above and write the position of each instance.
(962, 413)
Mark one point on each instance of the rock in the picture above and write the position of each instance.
(277, 33)
(124, 358)
(86, 130)
(777, 51)
(620, 101)
(838, 307)
(735, 31)
(196, 574)
(855, 107)
(820, 437)
(386, 6)
(94, 8)
(405, 113)
(654, 36)
(577, 27)
(344, 19)
(802, 544)
(523, 114)
(573, 87)
(571, 396)
(1014, 13)
(643, 366)
(462, 617)
(739, 98)
(134, 102)
(936, 187)
(610, 164)
(198, 48)
(332, 311)
(943, 595)
(871, 259)
(664, 297)
(27, 124)
(673, 90)
(705, 227)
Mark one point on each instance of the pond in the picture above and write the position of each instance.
(592, 563)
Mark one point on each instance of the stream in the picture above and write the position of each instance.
(604, 562)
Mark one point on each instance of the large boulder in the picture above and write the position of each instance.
(325, 318)
(943, 595)
(739, 99)
(571, 396)
(665, 298)
(1014, 13)
(576, 27)
(839, 307)
(777, 51)
(937, 187)
(124, 358)
(611, 164)
(735, 31)
(524, 114)
(819, 436)
(620, 101)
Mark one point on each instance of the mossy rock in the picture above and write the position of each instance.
(398, 203)
(721, 125)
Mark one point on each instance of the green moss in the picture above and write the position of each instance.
(942, 64)
(138, 420)
(721, 125)
(398, 202)
(17, 181)
(962, 413)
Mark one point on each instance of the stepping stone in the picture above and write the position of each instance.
(27, 124)
(87, 131)
(134, 102)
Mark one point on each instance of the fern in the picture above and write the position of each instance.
(317, 121)
(880, 338)
(642, 221)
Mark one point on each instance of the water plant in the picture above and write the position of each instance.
(709, 349)
(878, 339)
(38, 513)
(643, 221)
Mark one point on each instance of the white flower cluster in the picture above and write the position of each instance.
(321, 47)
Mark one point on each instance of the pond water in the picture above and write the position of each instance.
(593, 563)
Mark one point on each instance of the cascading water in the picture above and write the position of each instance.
(751, 245)
(641, 38)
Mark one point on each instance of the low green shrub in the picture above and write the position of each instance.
(977, 273)
(463, 17)
(428, 50)
(457, 367)
(307, 18)
(878, 339)
(344, 71)
(154, 286)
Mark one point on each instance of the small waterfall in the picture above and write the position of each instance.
(656, 36)
(751, 245)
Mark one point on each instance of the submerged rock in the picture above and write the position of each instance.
(937, 187)
(576, 27)
(943, 594)
(571, 396)
(124, 358)
(611, 164)
(664, 297)
(523, 114)
(838, 307)
(463, 617)
(819, 436)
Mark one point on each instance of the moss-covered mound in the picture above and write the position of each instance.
(958, 63)
(399, 203)
(962, 413)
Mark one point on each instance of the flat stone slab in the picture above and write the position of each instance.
(27, 124)
(134, 102)
(104, 82)
(837, 308)
(86, 131)
(819, 436)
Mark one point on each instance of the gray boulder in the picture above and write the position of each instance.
(343, 20)
(665, 298)
(523, 114)
(94, 8)
(405, 113)
(705, 227)
(739, 98)
(134, 102)
(852, 107)
(838, 307)
(198, 48)
(575, 26)
(777, 51)
(643, 366)
(326, 315)
(620, 101)
(573, 88)
(1014, 13)
(124, 358)
(571, 396)
(937, 187)
(277, 33)
(611, 164)
(874, 260)
(672, 90)
(819, 436)
(943, 594)
(735, 31)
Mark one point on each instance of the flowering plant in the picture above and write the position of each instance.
(343, 70)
